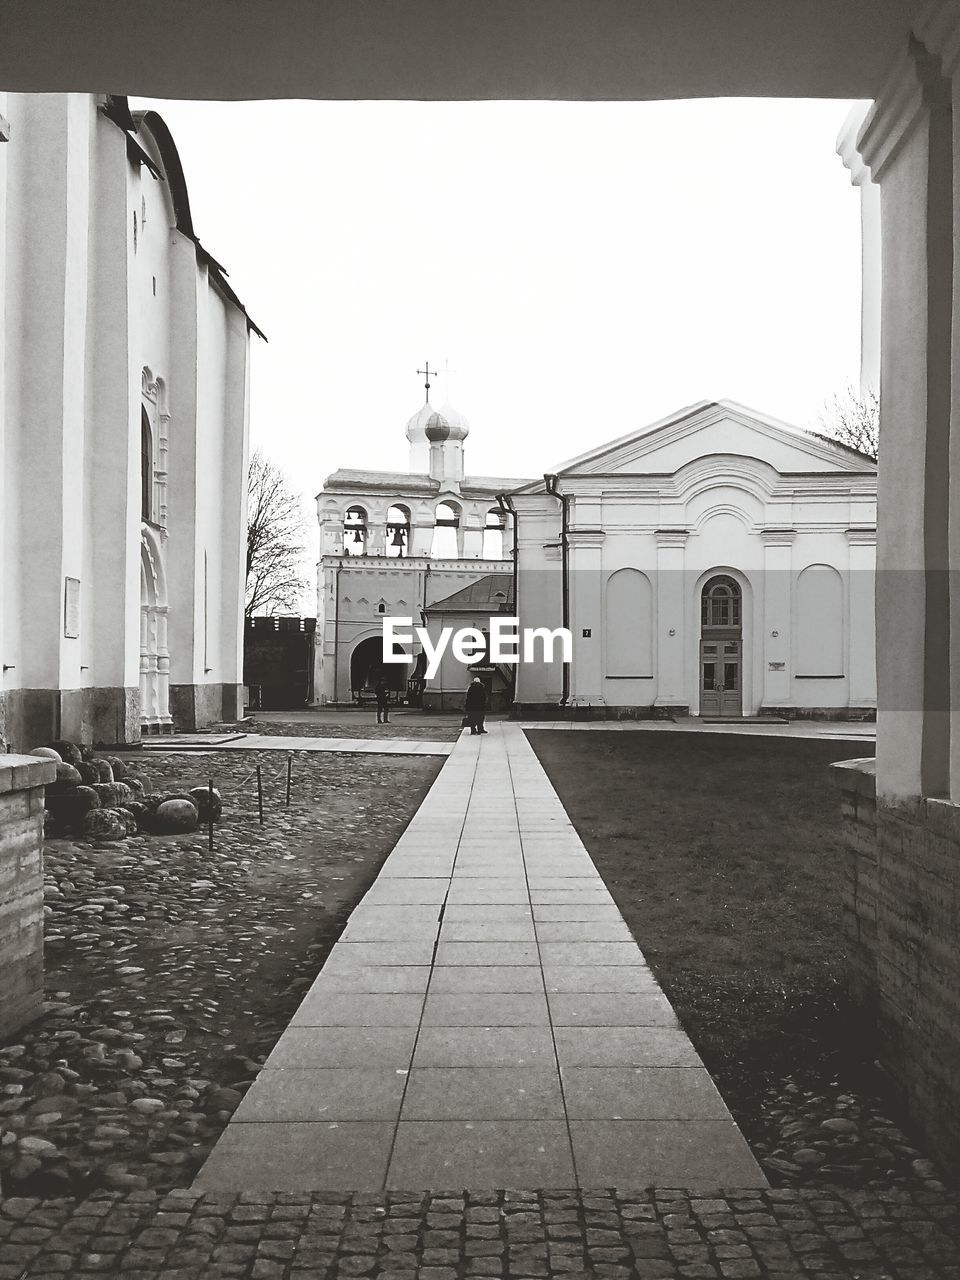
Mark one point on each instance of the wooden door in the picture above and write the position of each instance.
(721, 677)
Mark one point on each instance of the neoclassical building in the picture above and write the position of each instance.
(717, 563)
(396, 543)
(123, 433)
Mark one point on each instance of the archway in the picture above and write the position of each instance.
(721, 647)
(367, 666)
(154, 655)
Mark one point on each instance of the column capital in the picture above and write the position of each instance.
(774, 537)
(585, 538)
(847, 145)
(862, 535)
(672, 537)
(915, 85)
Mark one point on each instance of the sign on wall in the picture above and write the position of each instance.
(71, 608)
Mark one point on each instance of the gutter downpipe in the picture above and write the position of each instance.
(551, 485)
(506, 505)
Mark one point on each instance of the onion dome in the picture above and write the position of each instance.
(437, 429)
(458, 424)
(417, 424)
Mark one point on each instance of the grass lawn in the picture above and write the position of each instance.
(723, 854)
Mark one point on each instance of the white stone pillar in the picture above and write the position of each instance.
(472, 531)
(774, 645)
(939, 28)
(871, 259)
(907, 144)
(585, 575)
(672, 686)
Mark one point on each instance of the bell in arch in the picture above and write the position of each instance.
(398, 539)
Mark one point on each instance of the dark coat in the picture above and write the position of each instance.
(382, 694)
(476, 699)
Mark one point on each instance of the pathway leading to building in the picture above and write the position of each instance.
(485, 1021)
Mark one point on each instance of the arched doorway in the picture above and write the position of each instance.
(154, 655)
(367, 666)
(721, 647)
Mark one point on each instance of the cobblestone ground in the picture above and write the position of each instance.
(171, 969)
(443, 1235)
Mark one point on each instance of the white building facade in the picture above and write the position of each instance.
(395, 543)
(123, 433)
(719, 563)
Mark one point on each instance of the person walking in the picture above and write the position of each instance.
(476, 705)
(382, 694)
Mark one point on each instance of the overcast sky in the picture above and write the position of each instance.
(584, 268)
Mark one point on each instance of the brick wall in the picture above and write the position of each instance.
(22, 781)
(902, 926)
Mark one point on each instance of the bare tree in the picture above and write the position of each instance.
(275, 540)
(853, 419)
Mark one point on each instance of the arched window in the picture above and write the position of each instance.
(721, 603)
(493, 535)
(628, 624)
(398, 531)
(819, 622)
(446, 526)
(355, 531)
(146, 466)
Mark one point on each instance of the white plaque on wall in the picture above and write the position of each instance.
(71, 608)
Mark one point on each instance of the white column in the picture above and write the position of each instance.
(907, 144)
(774, 646)
(870, 242)
(585, 576)
(671, 593)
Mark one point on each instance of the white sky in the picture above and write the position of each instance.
(585, 268)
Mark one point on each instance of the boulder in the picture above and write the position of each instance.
(105, 770)
(104, 824)
(130, 820)
(113, 794)
(47, 753)
(68, 752)
(205, 801)
(135, 785)
(174, 816)
(89, 772)
(119, 767)
(68, 809)
(68, 779)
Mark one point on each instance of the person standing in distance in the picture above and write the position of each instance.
(382, 694)
(476, 705)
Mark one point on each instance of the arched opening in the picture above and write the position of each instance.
(721, 647)
(367, 666)
(355, 531)
(446, 532)
(398, 531)
(628, 625)
(819, 622)
(493, 535)
(154, 655)
(146, 465)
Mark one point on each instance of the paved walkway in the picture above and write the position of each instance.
(273, 742)
(485, 1021)
(856, 731)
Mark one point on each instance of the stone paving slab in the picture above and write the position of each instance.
(527, 985)
(703, 1233)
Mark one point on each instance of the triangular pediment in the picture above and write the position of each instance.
(717, 427)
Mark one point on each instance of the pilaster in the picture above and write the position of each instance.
(672, 688)
(585, 568)
(775, 647)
